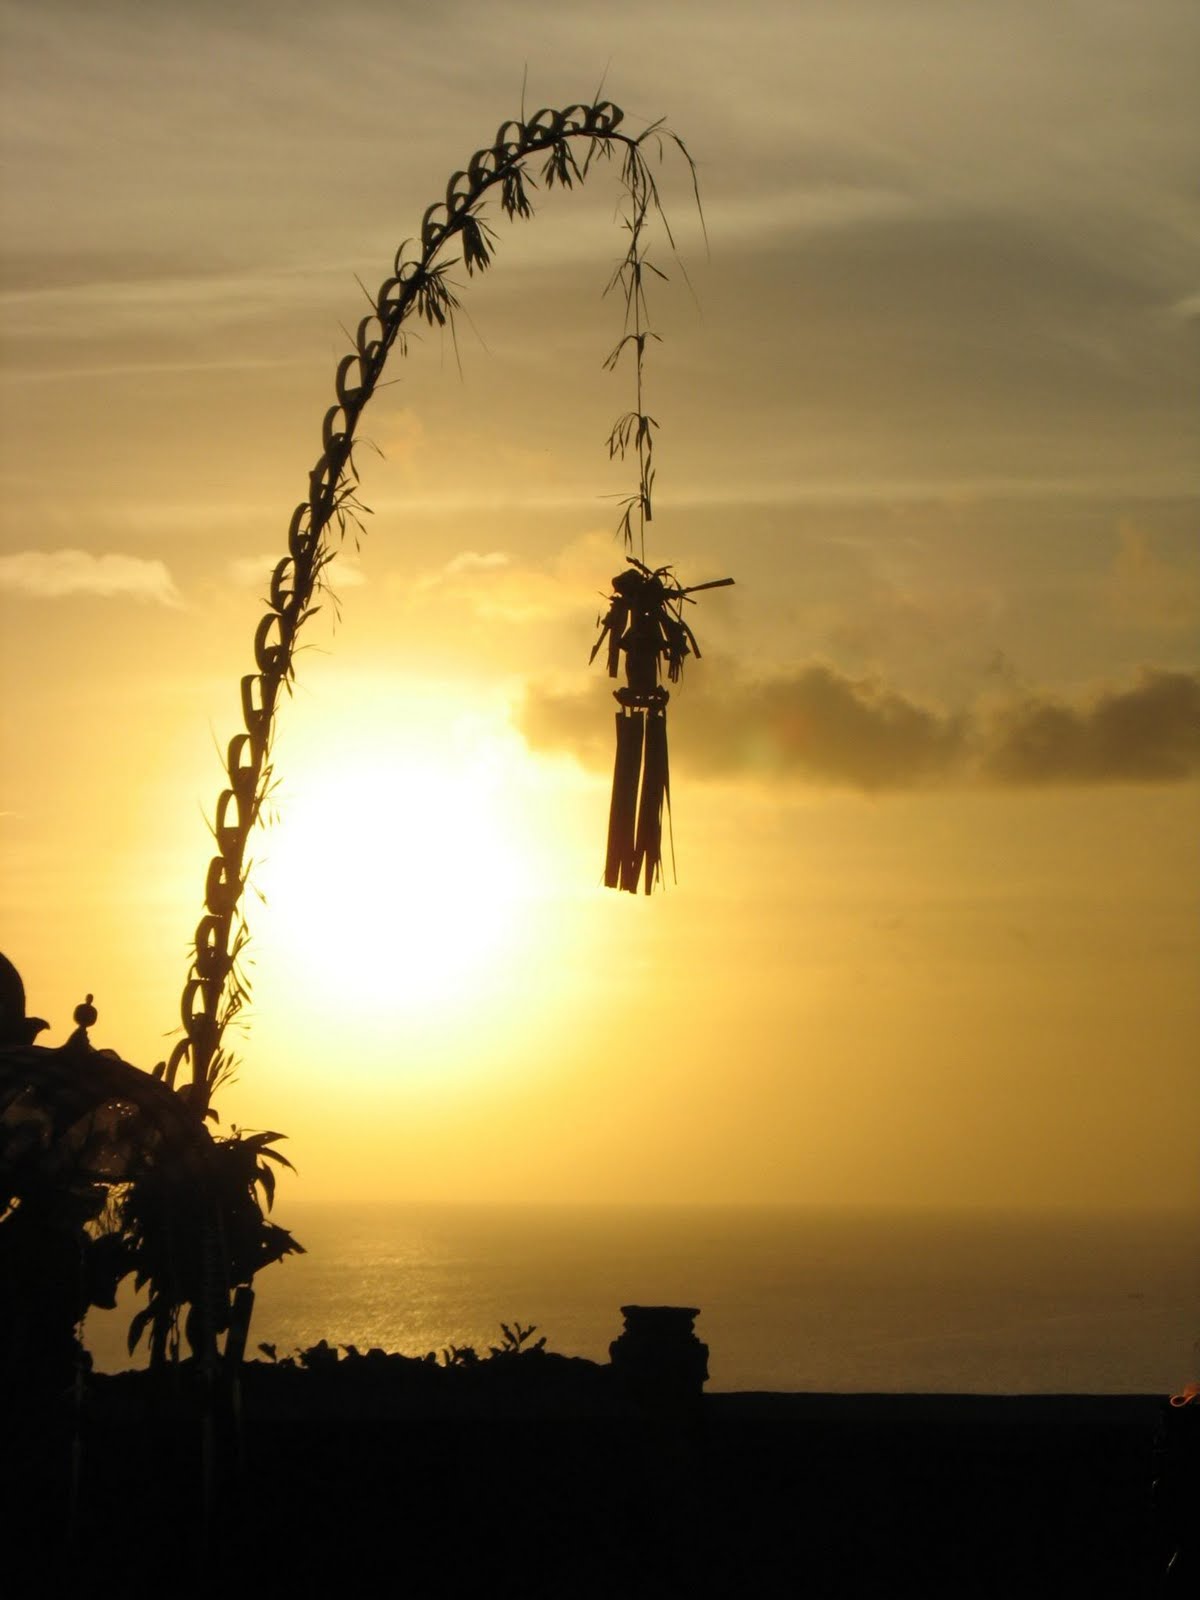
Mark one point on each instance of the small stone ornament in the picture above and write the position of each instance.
(658, 1359)
(84, 1017)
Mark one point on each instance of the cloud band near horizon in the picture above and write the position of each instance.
(815, 726)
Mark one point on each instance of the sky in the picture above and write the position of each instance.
(925, 389)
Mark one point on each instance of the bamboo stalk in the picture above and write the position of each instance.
(215, 989)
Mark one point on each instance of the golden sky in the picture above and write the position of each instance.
(930, 398)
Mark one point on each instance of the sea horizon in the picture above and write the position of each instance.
(792, 1297)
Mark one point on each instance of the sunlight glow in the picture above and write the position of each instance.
(398, 877)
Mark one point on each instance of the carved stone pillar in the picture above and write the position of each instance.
(658, 1360)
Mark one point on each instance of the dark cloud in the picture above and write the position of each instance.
(810, 725)
(1147, 734)
(816, 726)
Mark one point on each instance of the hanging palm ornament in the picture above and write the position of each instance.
(644, 623)
(420, 289)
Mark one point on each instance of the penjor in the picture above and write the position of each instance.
(645, 624)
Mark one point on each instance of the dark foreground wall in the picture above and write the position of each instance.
(746, 1495)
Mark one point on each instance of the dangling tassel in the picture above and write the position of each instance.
(619, 868)
(656, 788)
(645, 624)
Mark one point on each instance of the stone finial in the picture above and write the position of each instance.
(85, 1015)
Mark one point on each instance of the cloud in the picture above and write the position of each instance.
(816, 726)
(1144, 590)
(1147, 734)
(889, 621)
(254, 572)
(812, 725)
(491, 585)
(472, 561)
(53, 574)
(495, 586)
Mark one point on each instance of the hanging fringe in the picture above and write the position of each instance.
(619, 868)
(656, 789)
(641, 787)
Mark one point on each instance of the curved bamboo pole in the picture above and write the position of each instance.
(215, 991)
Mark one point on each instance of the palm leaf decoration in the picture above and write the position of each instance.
(568, 144)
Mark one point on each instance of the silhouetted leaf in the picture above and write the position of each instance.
(138, 1326)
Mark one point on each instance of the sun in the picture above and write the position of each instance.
(399, 878)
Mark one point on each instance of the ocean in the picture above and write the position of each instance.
(790, 1298)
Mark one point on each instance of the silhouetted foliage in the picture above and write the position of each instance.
(106, 1172)
(195, 1238)
(515, 1339)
